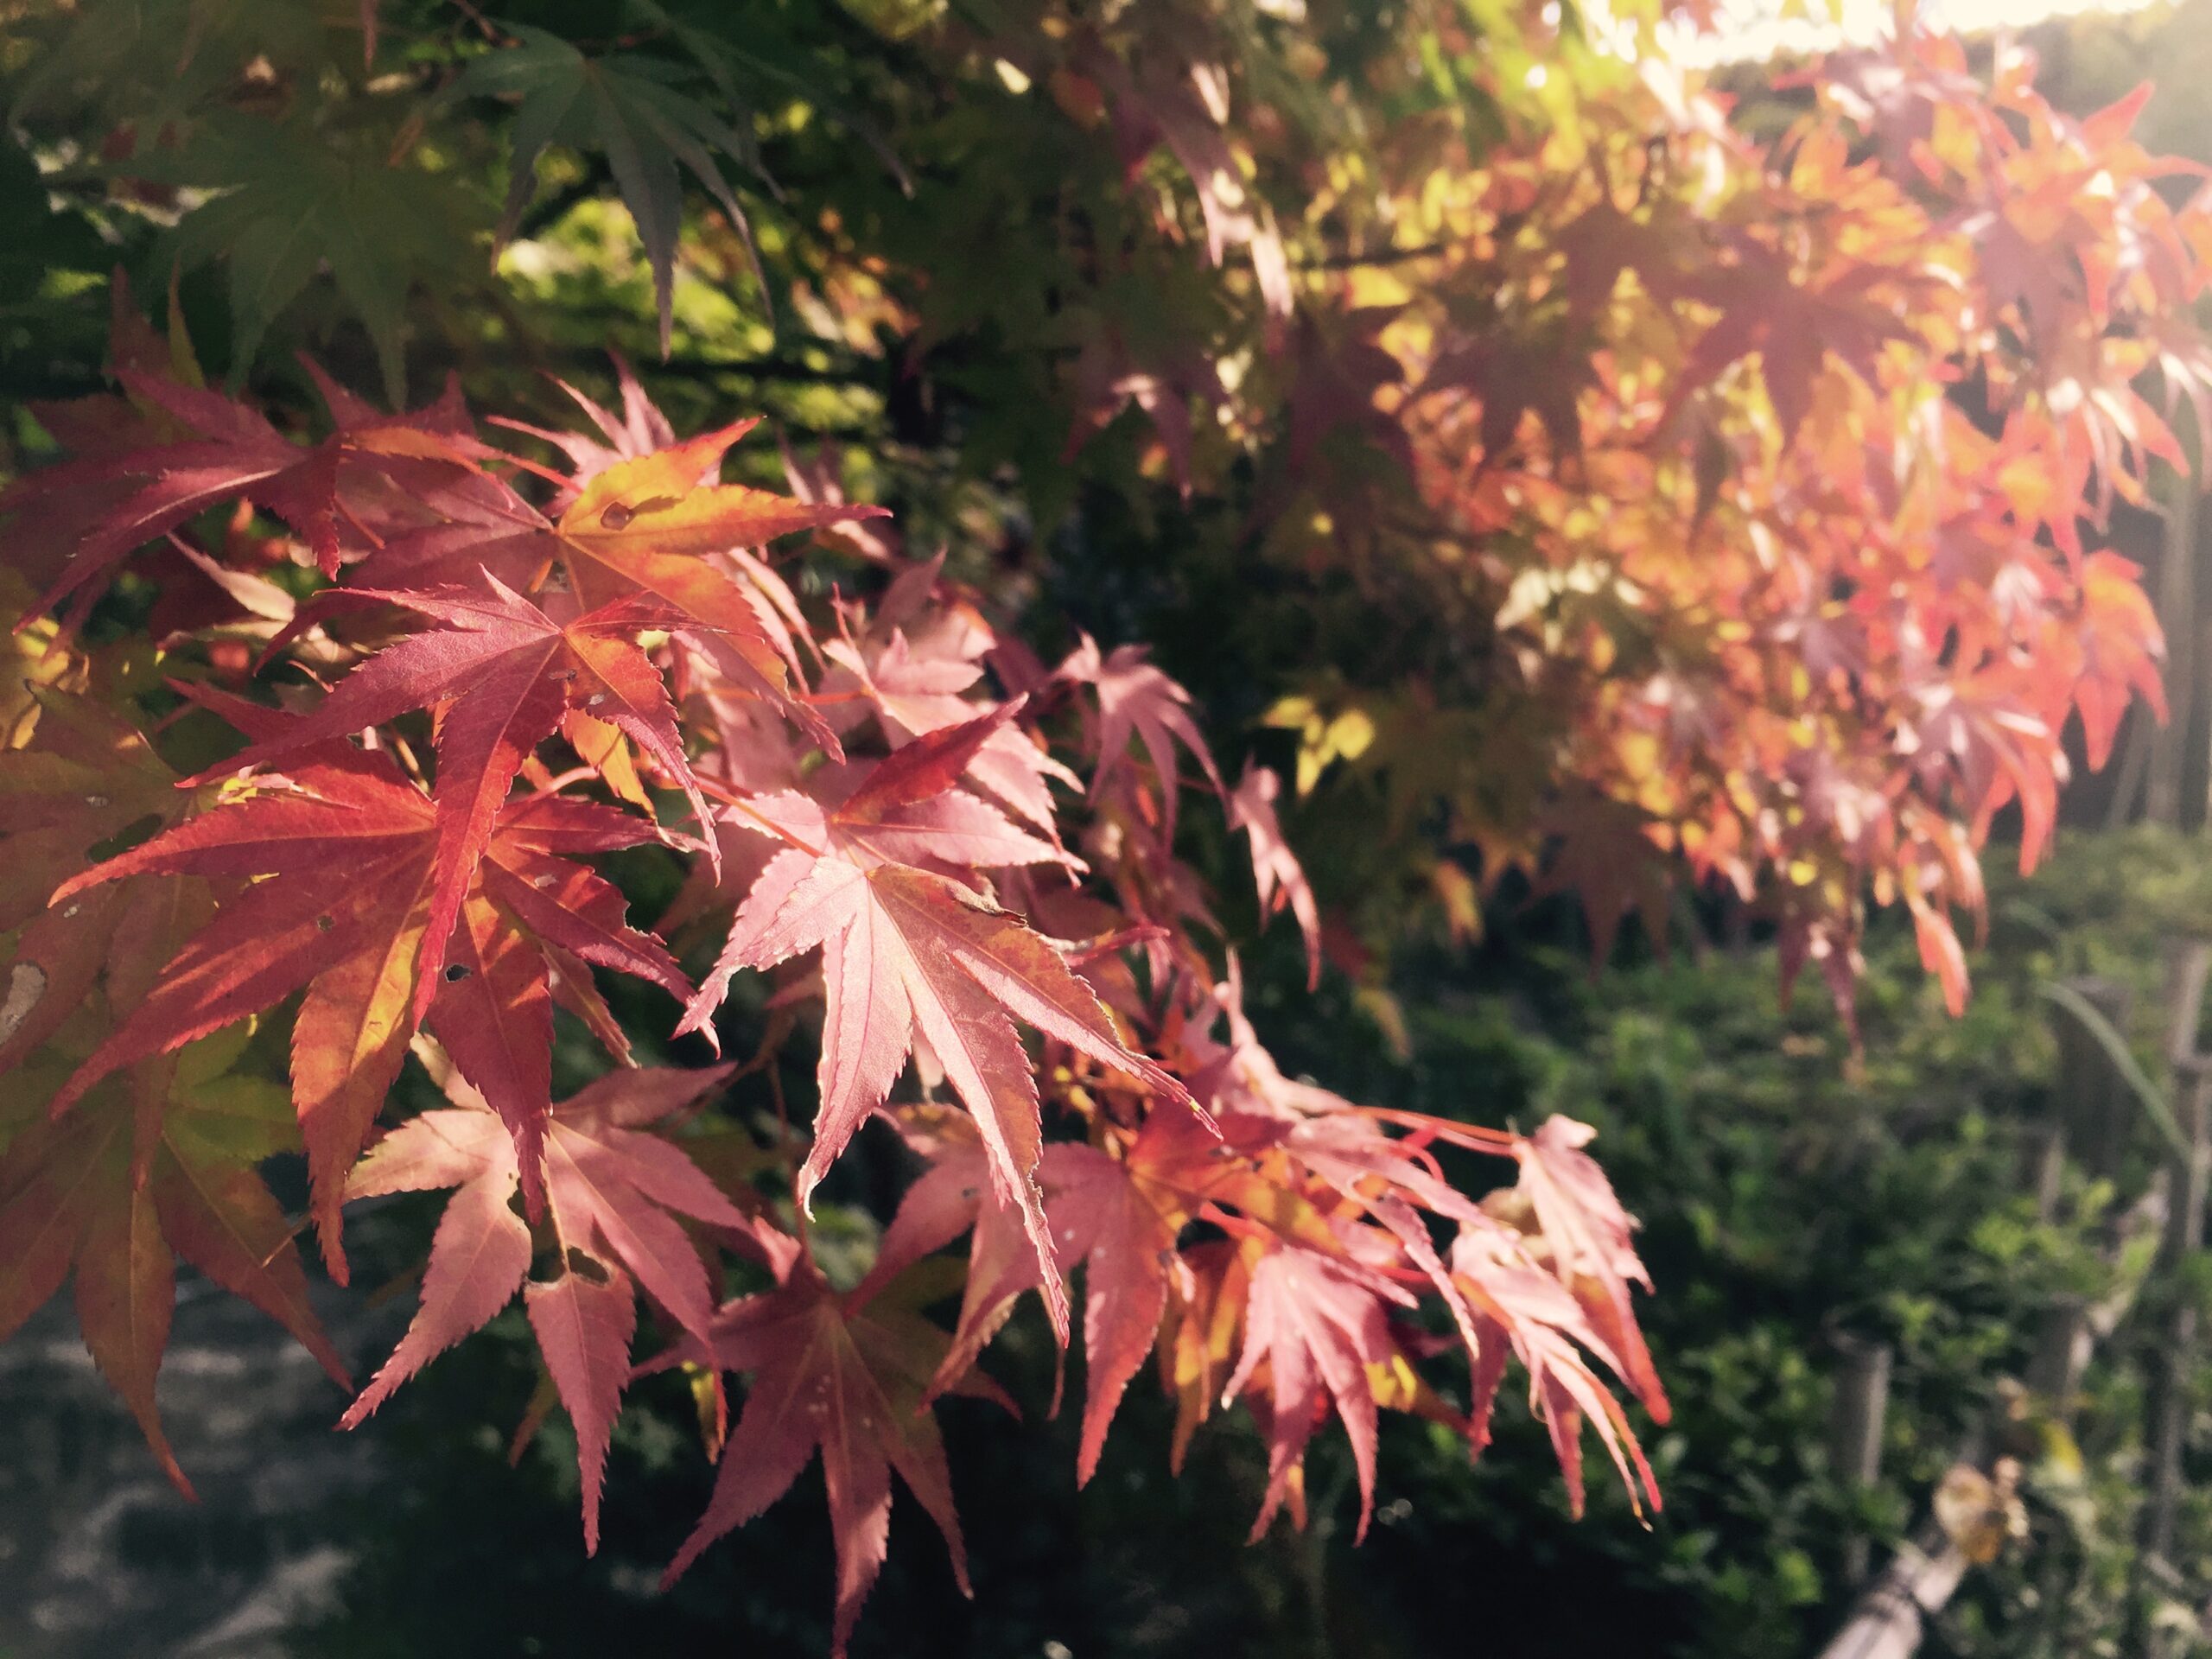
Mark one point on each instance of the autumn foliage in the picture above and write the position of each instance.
(512, 688)
(1787, 465)
(1751, 487)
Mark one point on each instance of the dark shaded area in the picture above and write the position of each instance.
(101, 1556)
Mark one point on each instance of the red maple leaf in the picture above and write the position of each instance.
(2117, 641)
(529, 920)
(909, 951)
(1588, 1236)
(845, 1376)
(1519, 1309)
(649, 527)
(1118, 1217)
(638, 431)
(503, 675)
(1794, 327)
(614, 1194)
(1317, 1332)
(1279, 878)
(1136, 699)
(915, 691)
(232, 452)
(1121, 1230)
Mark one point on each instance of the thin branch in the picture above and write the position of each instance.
(543, 215)
(758, 368)
(1364, 261)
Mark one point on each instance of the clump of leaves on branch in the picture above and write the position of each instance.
(521, 667)
(1641, 481)
(1731, 489)
(1783, 467)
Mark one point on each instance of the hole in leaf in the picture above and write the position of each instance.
(138, 830)
(455, 972)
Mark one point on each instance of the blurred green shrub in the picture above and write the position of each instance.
(1788, 1193)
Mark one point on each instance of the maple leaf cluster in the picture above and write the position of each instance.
(450, 678)
(1734, 480)
(1813, 523)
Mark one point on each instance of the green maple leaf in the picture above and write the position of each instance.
(632, 109)
(291, 202)
(154, 63)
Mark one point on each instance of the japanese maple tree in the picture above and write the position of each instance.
(1723, 503)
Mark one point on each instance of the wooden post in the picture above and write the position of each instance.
(2127, 776)
(2092, 1099)
(1855, 1415)
(2064, 1342)
(2177, 618)
(2045, 1165)
(1889, 1618)
(2091, 1120)
(2169, 1405)
(2188, 963)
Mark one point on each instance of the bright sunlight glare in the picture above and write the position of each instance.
(1749, 31)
